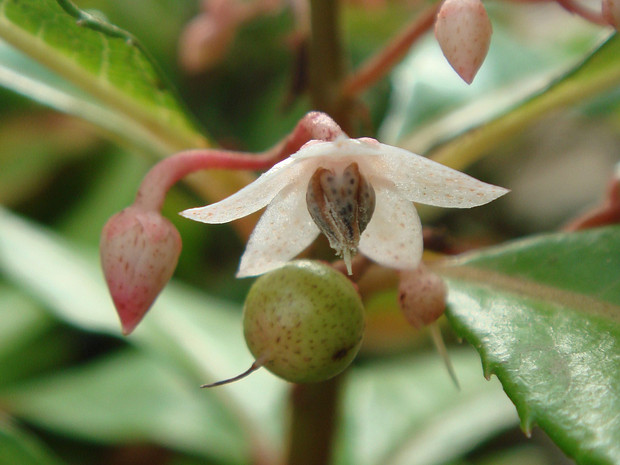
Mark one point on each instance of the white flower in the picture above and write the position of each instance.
(391, 235)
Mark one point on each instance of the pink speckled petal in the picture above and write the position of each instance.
(284, 230)
(252, 197)
(393, 237)
(419, 179)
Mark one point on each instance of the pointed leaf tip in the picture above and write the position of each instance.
(139, 253)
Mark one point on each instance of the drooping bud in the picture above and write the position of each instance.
(139, 252)
(341, 205)
(611, 12)
(463, 30)
(422, 296)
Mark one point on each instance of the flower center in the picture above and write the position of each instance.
(341, 205)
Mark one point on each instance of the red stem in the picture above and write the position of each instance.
(585, 13)
(606, 214)
(380, 64)
(166, 173)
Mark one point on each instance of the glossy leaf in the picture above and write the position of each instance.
(102, 60)
(544, 314)
(23, 75)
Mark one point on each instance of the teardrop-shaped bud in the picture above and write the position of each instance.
(341, 205)
(463, 30)
(139, 252)
(422, 296)
(611, 12)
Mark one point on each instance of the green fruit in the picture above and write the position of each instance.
(303, 322)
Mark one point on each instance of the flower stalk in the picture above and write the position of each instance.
(380, 64)
(140, 248)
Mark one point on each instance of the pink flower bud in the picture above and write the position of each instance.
(422, 296)
(463, 31)
(611, 12)
(139, 252)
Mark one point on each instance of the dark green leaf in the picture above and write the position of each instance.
(29, 342)
(19, 448)
(545, 315)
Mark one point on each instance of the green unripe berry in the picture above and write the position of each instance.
(303, 322)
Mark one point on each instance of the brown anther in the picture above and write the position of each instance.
(341, 205)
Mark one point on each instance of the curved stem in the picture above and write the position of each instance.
(587, 14)
(380, 64)
(166, 173)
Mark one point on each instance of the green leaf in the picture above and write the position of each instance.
(200, 335)
(544, 314)
(126, 398)
(18, 447)
(431, 103)
(597, 73)
(34, 147)
(408, 411)
(105, 62)
(29, 338)
(22, 320)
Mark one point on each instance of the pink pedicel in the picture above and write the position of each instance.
(611, 12)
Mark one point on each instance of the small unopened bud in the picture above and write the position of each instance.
(611, 12)
(463, 30)
(139, 252)
(341, 205)
(422, 296)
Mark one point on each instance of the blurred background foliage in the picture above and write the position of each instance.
(72, 391)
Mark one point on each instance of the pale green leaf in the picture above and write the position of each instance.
(408, 412)
(127, 398)
(597, 73)
(105, 62)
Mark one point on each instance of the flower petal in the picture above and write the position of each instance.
(284, 230)
(252, 197)
(422, 180)
(393, 237)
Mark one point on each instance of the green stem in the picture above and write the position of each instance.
(315, 406)
(326, 63)
(313, 422)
